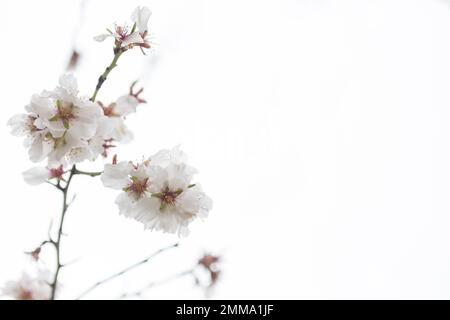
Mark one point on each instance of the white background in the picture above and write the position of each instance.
(320, 129)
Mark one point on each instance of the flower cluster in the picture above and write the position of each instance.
(158, 191)
(63, 128)
(59, 125)
(67, 129)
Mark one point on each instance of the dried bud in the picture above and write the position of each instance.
(208, 260)
(107, 144)
(73, 61)
(214, 277)
(35, 253)
(136, 94)
(57, 173)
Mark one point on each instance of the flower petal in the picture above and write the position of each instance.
(125, 204)
(102, 37)
(195, 201)
(36, 175)
(135, 37)
(69, 82)
(18, 124)
(141, 16)
(39, 148)
(116, 175)
(126, 105)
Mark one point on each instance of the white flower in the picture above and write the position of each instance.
(118, 131)
(69, 113)
(113, 124)
(58, 123)
(126, 105)
(38, 175)
(67, 149)
(125, 175)
(125, 38)
(109, 131)
(111, 127)
(30, 126)
(28, 287)
(159, 192)
(174, 202)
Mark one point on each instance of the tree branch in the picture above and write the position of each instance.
(158, 283)
(117, 53)
(127, 269)
(57, 243)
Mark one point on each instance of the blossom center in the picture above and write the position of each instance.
(137, 186)
(65, 110)
(122, 32)
(168, 197)
(64, 113)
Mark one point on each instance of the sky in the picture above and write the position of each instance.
(319, 128)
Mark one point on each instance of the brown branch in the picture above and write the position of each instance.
(57, 243)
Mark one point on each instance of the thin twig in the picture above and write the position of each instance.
(118, 50)
(49, 231)
(85, 173)
(57, 185)
(117, 53)
(157, 283)
(43, 243)
(129, 268)
(57, 243)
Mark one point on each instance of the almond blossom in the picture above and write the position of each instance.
(70, 114)
(68, 129)
(64, 128)
(158, 192)
(30, 126)
(111, 126)
(126, 38)
(114, 121)
(123, 37)
(58, 123)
